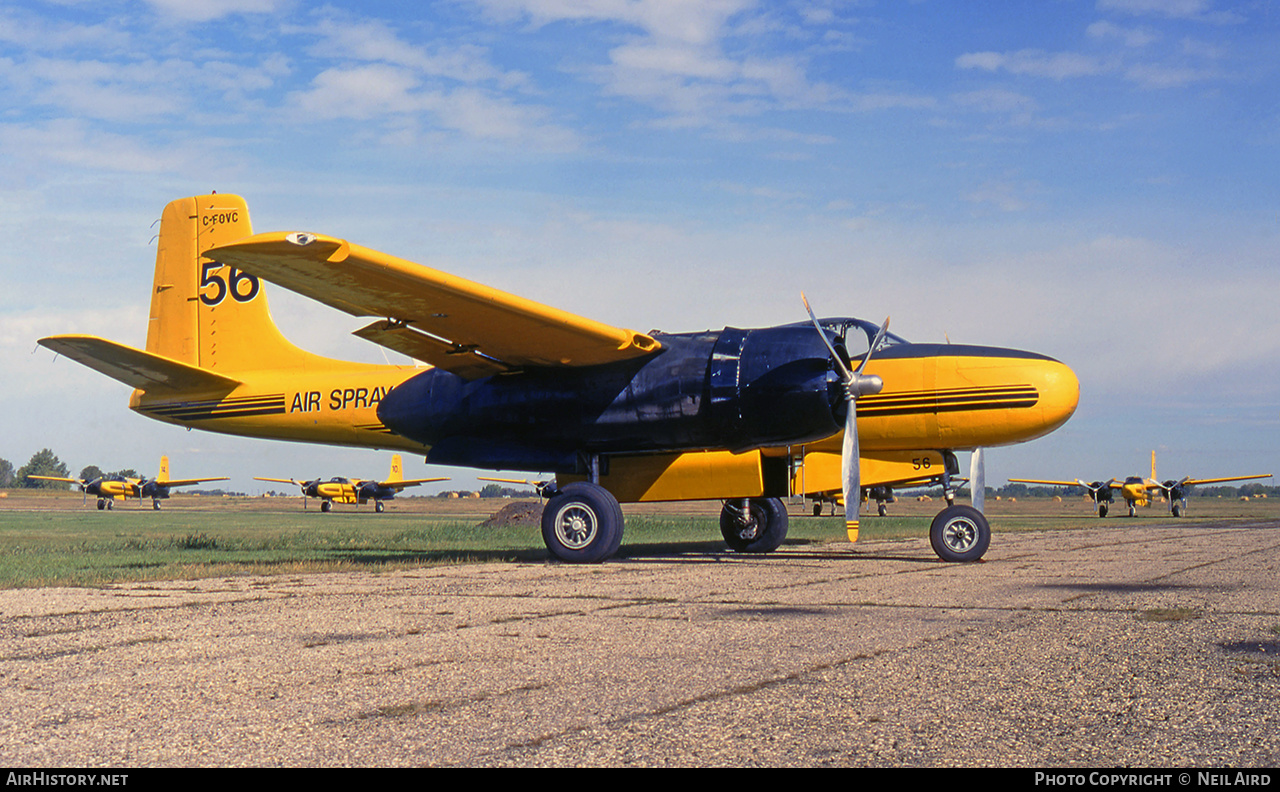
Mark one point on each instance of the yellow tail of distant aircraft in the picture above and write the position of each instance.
(358, 491)
(109, 489)
(747, 416)
(1137, 490)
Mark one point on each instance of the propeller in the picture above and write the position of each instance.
(856, 384)
(977, 479)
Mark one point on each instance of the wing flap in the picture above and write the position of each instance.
(438, 352)
(465, 315)
(142, 370)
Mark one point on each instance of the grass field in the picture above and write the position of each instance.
(55, 538)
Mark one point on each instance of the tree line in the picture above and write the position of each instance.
(46, 463)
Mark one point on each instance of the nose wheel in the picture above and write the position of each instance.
(960, 534)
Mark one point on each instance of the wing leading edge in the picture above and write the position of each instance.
(458, 325)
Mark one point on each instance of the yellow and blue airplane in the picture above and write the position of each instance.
(1137, 491)
(110, 488)
(746, 416)
(357, 491)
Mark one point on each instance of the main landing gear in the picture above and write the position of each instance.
(582, 523)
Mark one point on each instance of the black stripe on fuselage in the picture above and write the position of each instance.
(948, 400)
(238, 407)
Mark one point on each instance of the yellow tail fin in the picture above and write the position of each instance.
(163, 475)
(1153, 467)
(205, 313)
(397, 469)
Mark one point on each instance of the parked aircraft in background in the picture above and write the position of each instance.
(616, 415)
(110, 488)
(1137, 491)
(358, 491)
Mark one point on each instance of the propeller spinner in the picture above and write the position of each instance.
(856, 384)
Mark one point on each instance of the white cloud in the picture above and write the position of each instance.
(208, 10)
(74, 143)
(1037, 63)
(1131, 37)
(1197, 10)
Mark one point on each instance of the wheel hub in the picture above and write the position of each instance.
(960, 535)
(576, 526)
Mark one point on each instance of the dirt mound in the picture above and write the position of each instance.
(516, 513)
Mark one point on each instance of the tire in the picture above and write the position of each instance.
(817, 509)
(960, 534)
(1133, 510)
(1102, 508)
(102, 504)
(763, 530)
(326, 506)
(582, 524)
(1177, 510)
(378, 507)
(155, 505)
(881, 508)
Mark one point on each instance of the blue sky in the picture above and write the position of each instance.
(1096, 181)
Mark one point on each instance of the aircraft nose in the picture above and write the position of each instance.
(1059, 393)
(993, 397)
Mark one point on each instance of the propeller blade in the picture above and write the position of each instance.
(855, 384)
(977, 479)
(851, 471)
(844, 370)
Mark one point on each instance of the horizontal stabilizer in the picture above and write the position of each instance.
(141, 370)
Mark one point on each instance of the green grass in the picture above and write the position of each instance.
(85, 547)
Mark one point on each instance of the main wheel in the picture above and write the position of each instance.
(1133, 510)
(1102, 508)
(155, 505)
(1177, 509)
(881, 508)
(326, 506)
(960, 533)
(378, 507)
(760, 529)
(102, 504)
(582, 524)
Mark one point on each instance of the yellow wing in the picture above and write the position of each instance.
(189, 482)
(447, 321)
(1046, 481)
(402, 483)
(1193, 482)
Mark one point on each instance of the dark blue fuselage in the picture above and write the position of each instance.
(736, 389)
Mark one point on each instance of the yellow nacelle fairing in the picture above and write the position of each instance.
(821, 474)
(697, 475)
